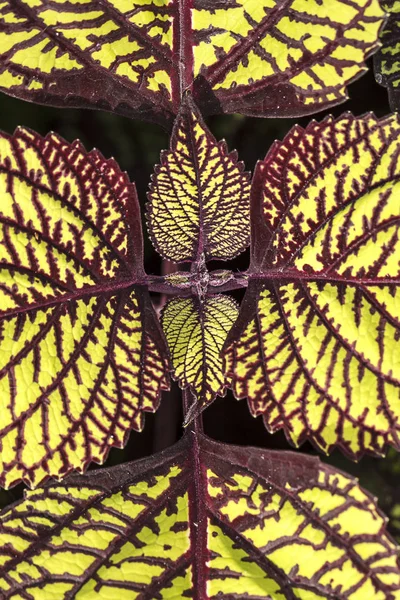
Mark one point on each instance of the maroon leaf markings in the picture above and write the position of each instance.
(264, 58)
(316, 348)
(82, 356)
(198, 207)
(200, 520)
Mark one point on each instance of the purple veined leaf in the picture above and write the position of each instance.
(316, 348)
(198, 210)
(201, 520)
(82, 356)
(257, 57)
(199, 196)
(195, 330)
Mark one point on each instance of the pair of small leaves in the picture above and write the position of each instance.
(198, 210)
(259, 57)
(201, 520)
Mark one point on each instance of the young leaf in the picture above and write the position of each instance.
(196, 331)
(81, 353)
(387, 59)
(316, 348)
(263, 57)
(201, 520)
(199, 196)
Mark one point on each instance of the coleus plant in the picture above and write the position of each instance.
(314, 346)
(261, 57)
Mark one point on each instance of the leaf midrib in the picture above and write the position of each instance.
(111, 288)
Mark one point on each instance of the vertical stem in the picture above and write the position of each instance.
(197, 506)
(187, 400)
(196, 426)
(183, 51)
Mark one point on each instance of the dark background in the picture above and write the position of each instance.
(136, 146)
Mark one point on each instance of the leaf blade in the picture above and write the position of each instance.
(278, 62)
(195, 332)
(318, 333)
(199, 195)
(255, 58)
(80, 57)
(73, 373)
(257, 509)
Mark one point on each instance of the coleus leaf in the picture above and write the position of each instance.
(196, 330)
(199, 196)
(387, 59)
(264, 57)
(81, 352)
(201, 520)
(316, 348)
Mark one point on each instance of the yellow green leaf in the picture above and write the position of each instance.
(316, 349)
(199, 196)
(81, 353)
(113, 56)
(196, 331)
(201, 520)
(258, 57)
(273, 58)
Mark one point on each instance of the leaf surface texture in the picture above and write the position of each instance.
(81, 353)
(196, 332)
(316, 348)
(199, 195)
(201, 520)
(261, 57)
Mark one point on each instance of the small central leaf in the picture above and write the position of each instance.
(196, 332)
(199, 196)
